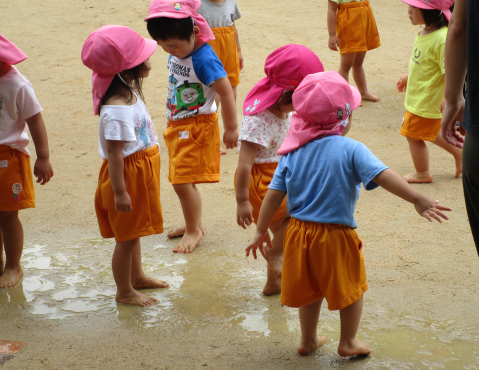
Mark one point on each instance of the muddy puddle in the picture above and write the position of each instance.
(214, 290)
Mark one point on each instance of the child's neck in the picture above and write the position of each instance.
(217, 1)
(427, 30)
(277, 112)
(4, 68)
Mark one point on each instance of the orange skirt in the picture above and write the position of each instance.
(261, 176)
(356, 27)
(193, 150)
(142, 179)
(322, 260)
(420, 128)
(16, 180)
(224, 46)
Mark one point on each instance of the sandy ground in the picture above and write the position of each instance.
(421, 310)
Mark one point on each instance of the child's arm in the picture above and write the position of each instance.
(228, 111)
(333, 38)
(116, 170)
(401, 85)
(271, 203)
(238, 46)
(42, 168)
(425, 206)
(244, 210)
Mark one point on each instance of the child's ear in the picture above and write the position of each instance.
(196, 30)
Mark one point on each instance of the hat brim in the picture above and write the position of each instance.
(356, 97)
(266, 92)
(419, 4)
(176, 15)
(148, 50)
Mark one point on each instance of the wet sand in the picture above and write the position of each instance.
(421, 307)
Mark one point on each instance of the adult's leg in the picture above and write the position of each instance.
(348, 344)
(420, 158)
(470, 179)
(308, 318)
(12, 232)
(360, 78)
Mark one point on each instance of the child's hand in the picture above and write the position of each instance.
(333, 42)
(401, 85)
(123, 202)
(230, 138)
(241, 62)
(259, 239)
(43, 170)
(430, 209)
(244, 214)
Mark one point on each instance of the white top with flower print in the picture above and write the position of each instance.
(268, 131)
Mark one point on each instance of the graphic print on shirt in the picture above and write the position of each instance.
(145, 130)
(171, 97)
(416, 55)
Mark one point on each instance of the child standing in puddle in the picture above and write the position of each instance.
(19, 107)
(127, 199)
(266, 111)
(196, 77)
(320, 172)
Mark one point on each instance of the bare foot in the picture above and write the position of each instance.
(370, 97)
(354, 348)
(180, 231)
(222, 151)
(11, 277)
(136, 298)
(305, 349)
(146, 282)
(418, 178)
(189, 242)
(273, 284)
(275, 261)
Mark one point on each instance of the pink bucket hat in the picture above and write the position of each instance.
(285, 68)
(181, 9)
(110, 50)
(442, 5)
(9, 52)
(323, 102)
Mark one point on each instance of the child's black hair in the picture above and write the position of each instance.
(117, 86)
(170, 28)
(434, 17)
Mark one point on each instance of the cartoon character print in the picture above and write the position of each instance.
(189, 98)
(146, 132)
(171, 97)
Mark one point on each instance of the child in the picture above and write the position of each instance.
(196, 75)
(320, 172)
(127, 200)
(265, 124)
(352, 28)
(425, 87)
(18, 105)
(221, 16)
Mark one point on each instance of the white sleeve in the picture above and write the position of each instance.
(27, 102)
(255, 130)
(118, 130)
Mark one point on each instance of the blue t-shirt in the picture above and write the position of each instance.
(189, 80)
(323, 178)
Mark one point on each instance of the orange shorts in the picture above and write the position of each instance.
(142, 179)
(356, 27)
(261, 177)
(194, 149)
(420, 128)
(322, 260)
(224, 46)
(16, 180)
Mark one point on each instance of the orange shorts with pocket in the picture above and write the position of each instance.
(420, 128)
(322, 260)
(16, 180)
(193, 149)
(261, 177)
(356, 27)
(142, 179)
(224, 45)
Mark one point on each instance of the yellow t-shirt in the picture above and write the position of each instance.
(425, 84)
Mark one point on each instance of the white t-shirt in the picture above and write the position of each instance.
(17, 103)
(129, 123)
(268, 131)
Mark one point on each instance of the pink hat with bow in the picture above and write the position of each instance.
(323, 103)
(110, 50)
(181, 9)
(285, 68)
(9, 52)
(442, 5)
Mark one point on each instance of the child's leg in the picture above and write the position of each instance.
(345, 65)
(420, 158)
(308, 318)
(12, 232)
(456, 152)
(139, 280)
(348, 344)
(274, 257)
(190, 200)
(122, 265)
(360, 78)
(1, 253)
